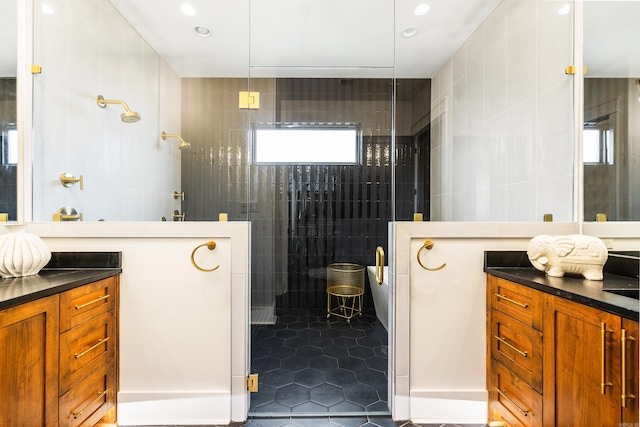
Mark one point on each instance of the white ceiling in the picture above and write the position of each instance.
(305, 37)
(278, 35)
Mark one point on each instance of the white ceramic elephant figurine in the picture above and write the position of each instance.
(573, 254)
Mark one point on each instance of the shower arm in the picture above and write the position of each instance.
(183, 143)
(103, 102)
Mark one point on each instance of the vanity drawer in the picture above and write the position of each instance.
(86, 302)
(85, 348)
(518, 347)
(518, 301)
(516, 401)
(90, 400)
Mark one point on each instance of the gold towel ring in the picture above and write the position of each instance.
(211, 246)
(428, 244)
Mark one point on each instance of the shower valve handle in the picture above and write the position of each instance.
(68, 180)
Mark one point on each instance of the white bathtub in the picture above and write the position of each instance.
(380, 294)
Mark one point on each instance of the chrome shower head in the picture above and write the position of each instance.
(128, 116)
(183, 144)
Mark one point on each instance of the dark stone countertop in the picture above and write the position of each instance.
(66, 270)
(515, 266)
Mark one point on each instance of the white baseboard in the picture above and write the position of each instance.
(449, 407)
(136, 408)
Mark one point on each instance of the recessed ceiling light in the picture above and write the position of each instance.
(46, 9)
(422, 9)
(187, 9)
(409, 32)
(564, 10)
(202, 31)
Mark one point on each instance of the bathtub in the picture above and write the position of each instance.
(380, 294)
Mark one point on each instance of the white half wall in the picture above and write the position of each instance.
(439, 316)
(183, 332)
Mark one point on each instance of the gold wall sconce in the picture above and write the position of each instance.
(68, 180)
(183, 144)
(128, 116)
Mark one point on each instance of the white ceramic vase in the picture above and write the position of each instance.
(21, 253)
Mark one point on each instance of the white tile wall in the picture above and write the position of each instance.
(503, 150)
(86, 49)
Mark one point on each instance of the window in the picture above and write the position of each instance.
(9, 147)
(302, 143)
(598, 142)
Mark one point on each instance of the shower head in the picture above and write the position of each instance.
(183, 144)
(128, 116)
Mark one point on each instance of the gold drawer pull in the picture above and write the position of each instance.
(521, 304)
(624, 340)
(98, 397)
(100, 342)
(504, 394)
(603, 354)
(511, 346)
(81, 306)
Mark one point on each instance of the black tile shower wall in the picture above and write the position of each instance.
(336, 214)
(303, 217)
(8, 190)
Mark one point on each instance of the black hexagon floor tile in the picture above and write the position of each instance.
(340, 377)
(326, 394)
(361, 394)
(310, 365)
(292, 395)
(309, 377)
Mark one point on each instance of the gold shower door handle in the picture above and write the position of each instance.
(379, 265)
(428, 244)
(211, 245)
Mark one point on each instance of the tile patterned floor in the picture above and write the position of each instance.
(310, 365)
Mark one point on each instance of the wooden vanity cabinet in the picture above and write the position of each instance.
(578, 358)
(88, 351)
(58, 358)
(29, 364)
(589, 373)
(514, 353)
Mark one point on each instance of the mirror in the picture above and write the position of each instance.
(167, 169)
(8, 111)
(611, 136)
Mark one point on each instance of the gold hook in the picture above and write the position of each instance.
(379, 265)
(211, 246)
(428, 244)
